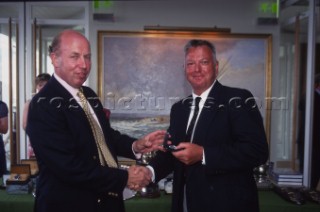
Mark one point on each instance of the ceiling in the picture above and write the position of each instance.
(291, 9)
(45, 12)
(57, 12)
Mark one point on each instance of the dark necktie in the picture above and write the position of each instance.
(193, 120)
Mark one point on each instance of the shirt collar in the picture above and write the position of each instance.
(73, 91)
(204, 94)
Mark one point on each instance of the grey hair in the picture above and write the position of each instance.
(196, 43)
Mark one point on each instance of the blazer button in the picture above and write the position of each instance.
(94, 157)
(99, 200)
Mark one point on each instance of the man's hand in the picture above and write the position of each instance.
(138, 177)
(189, 154)
(151, 142)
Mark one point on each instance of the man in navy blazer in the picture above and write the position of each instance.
(213, 171)
(71, 176)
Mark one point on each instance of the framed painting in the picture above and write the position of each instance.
(141, 74)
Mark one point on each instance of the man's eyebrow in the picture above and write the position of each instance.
(74, 53)
(77, 53)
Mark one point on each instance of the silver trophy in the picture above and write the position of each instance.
(261, 176)
(152, 190)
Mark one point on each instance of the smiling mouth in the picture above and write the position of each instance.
(197, 77)
(82, 75)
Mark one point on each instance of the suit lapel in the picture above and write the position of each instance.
(182, 117)
(74, 107)
(94, 102)
(71, 104)
(208, 113)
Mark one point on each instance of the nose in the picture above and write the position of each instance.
(197, 67)
(82, 62)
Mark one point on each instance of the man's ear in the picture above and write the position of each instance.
(54, 59)
(216, 66)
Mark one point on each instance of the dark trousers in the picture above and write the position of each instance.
(3, 162)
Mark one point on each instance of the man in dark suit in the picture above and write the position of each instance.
(75, 173)
(3, 130)
(315, 163)
(213, 169)
(315, 159)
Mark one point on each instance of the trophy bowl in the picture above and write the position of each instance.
(261, 173)
(152, 190)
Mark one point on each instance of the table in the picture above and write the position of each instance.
(269, 202)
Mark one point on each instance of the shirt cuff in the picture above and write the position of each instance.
(152, 171)
(203, 158)
(137, 155)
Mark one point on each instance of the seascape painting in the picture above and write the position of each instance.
(142, 74)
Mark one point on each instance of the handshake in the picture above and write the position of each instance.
(138, 177)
